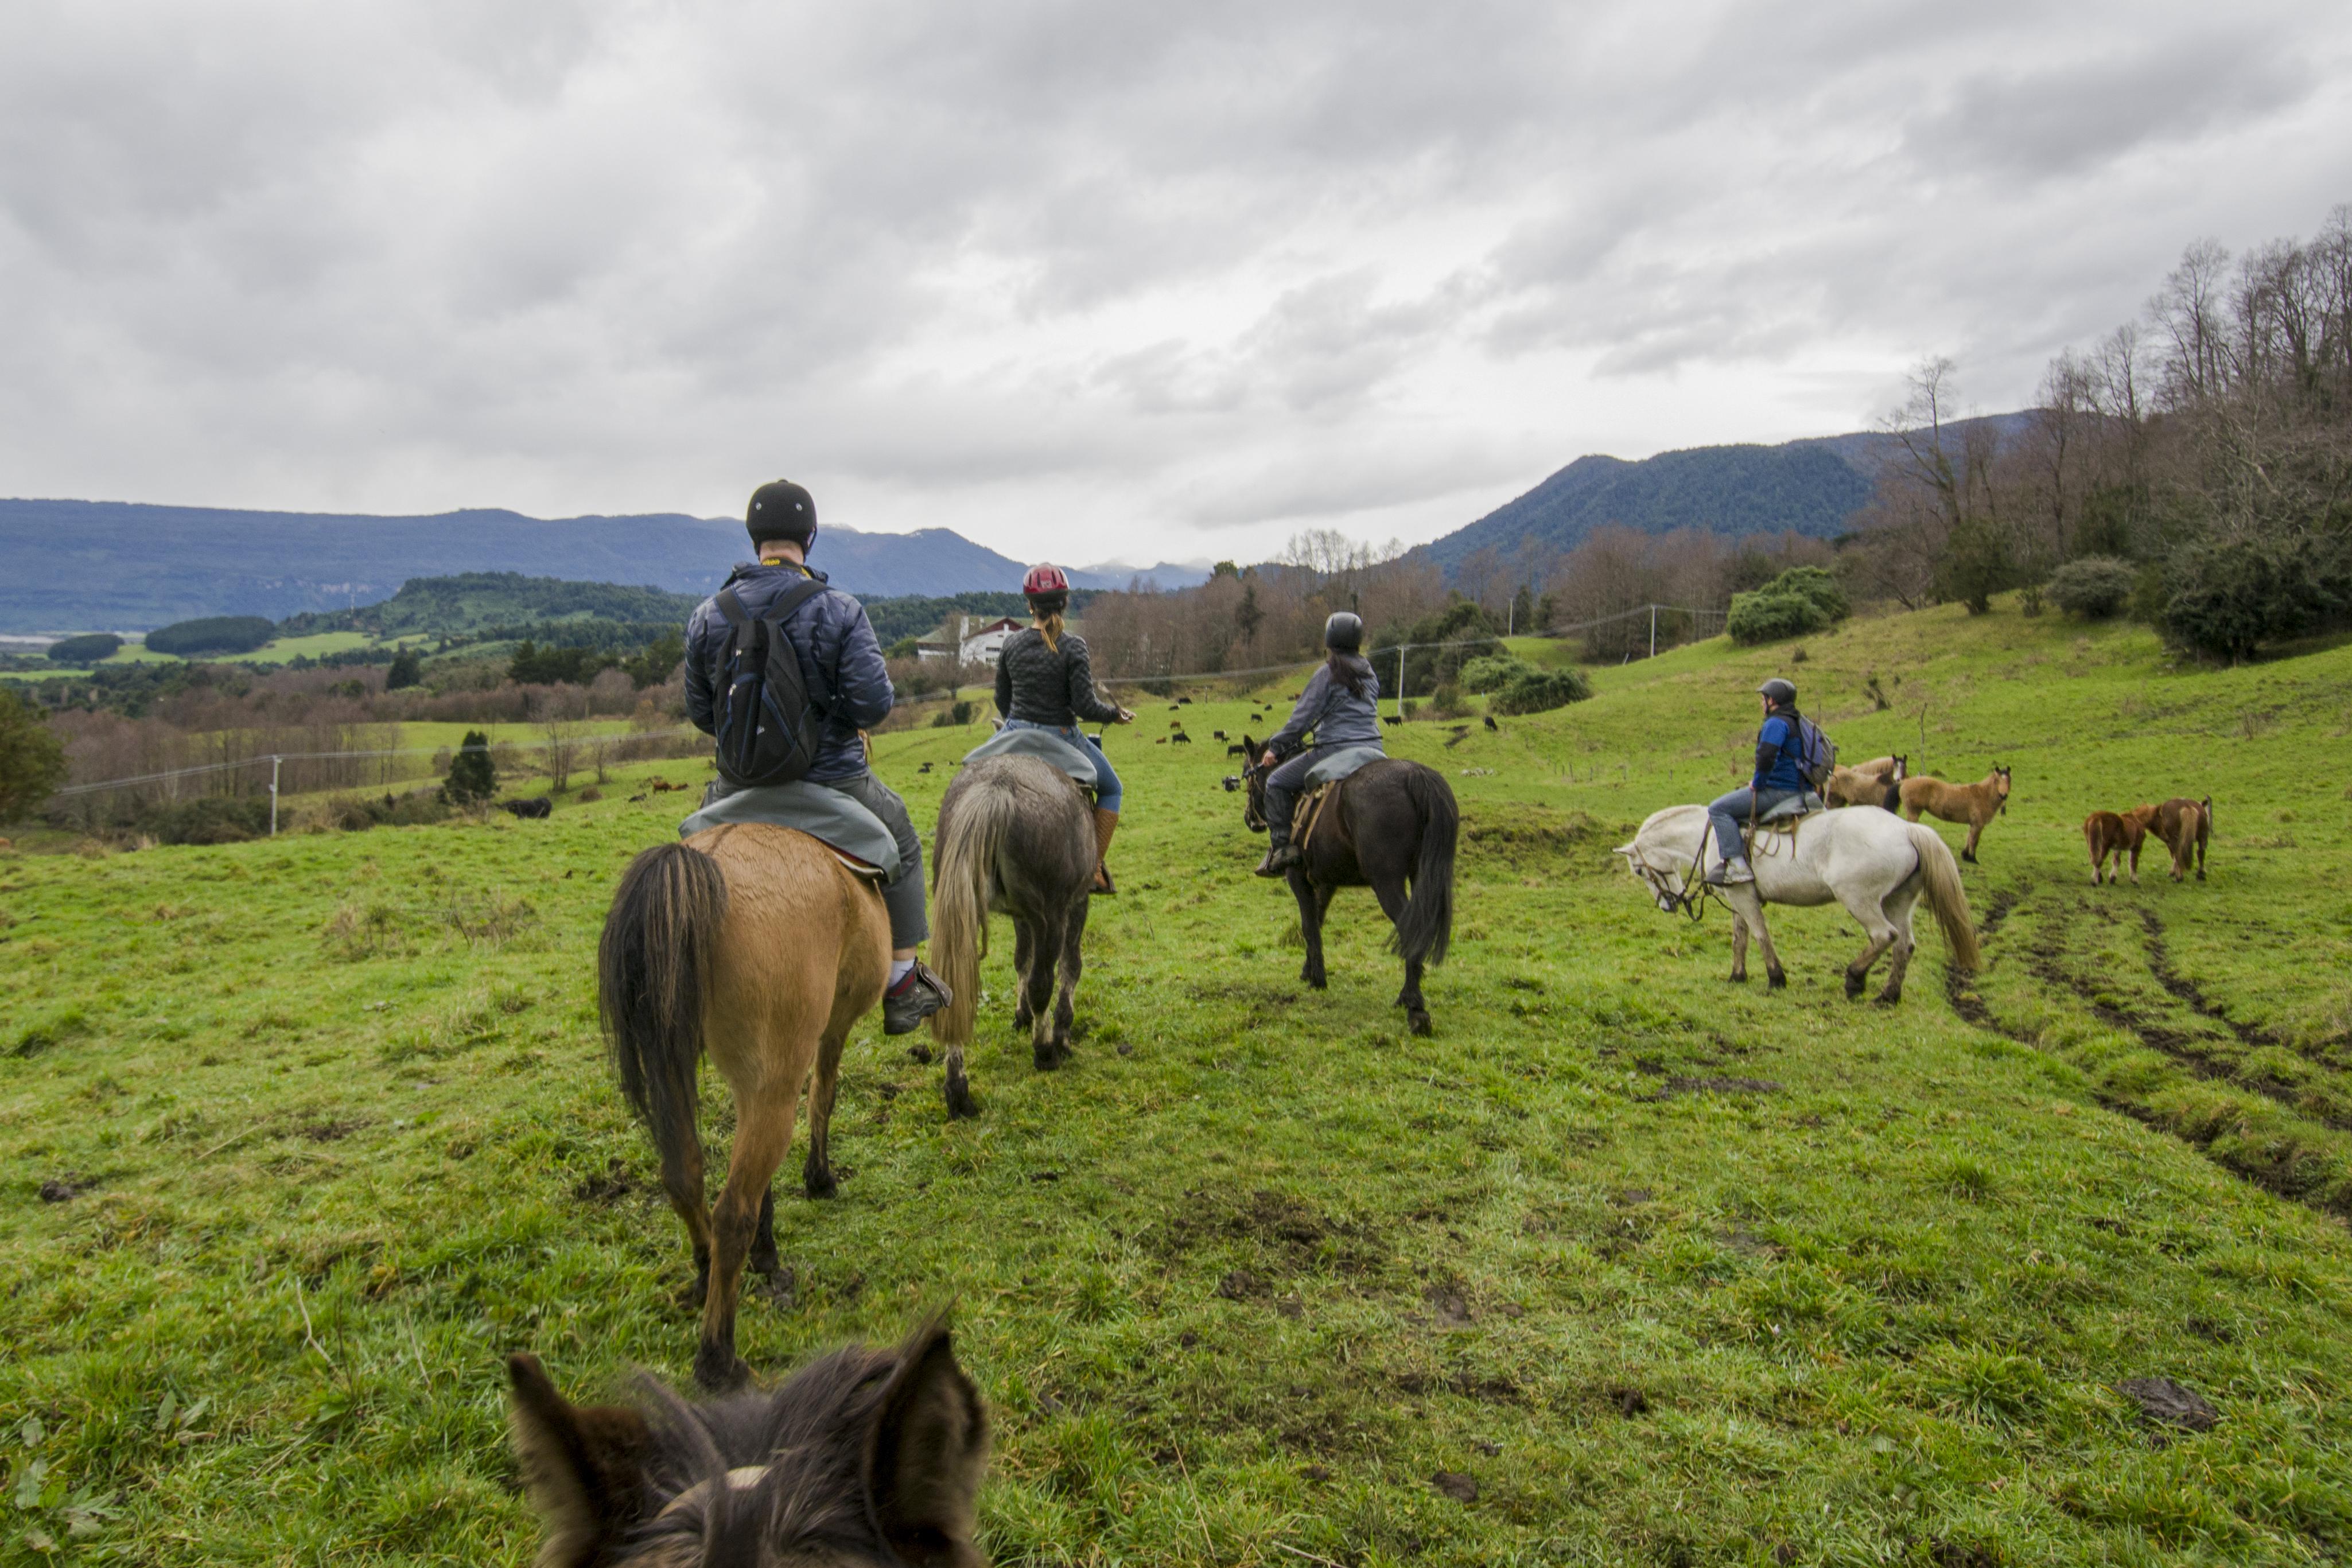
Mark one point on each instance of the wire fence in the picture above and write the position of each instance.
(276, 760)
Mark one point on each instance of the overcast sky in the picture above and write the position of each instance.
(1083, 281)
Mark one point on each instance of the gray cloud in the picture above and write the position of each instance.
(1021, 267)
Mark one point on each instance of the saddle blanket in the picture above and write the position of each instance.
(828, 815)
(1042, 743)
(1341, 761)
(1784, 816)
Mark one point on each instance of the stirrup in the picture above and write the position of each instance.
(1103, 887)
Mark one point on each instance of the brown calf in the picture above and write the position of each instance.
(2182, 826)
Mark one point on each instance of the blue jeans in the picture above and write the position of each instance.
(1730, 810)
(1107, 793)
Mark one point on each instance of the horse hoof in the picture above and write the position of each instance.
(961, 1103)
(1886, 998)
(1739, 979)
(1418, 1023)
(1775, 980)
(774, 1283)
(821, 1185)
(717, 1370)
(1049, 1057)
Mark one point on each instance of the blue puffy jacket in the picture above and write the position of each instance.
(840, 660)
(1779, 754)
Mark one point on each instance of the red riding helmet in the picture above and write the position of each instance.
(1046, 579)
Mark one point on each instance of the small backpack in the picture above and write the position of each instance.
(768, 727)
(1816, 755)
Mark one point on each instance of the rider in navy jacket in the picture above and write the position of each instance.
(841, 664)
(1780, 774)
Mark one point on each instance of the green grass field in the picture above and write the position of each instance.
(1649, 1268)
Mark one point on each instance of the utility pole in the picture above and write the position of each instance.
(1654, 631)
(273, 794)
(1400, 681)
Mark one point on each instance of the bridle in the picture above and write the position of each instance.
(1689, 899)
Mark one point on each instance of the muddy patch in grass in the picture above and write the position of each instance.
(1289, 1234)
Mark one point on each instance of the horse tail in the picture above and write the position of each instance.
(1426, 929)
(971, 840)
(653, 971)
(1946, 897)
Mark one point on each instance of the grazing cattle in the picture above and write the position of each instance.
(1976, 804)
(1491, 723)
(862, 1457)
(534, 810)
(2108, 833)
(1180, 739)
(2180, 825)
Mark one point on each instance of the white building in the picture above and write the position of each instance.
(969, 639)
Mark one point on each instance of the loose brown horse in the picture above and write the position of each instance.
(1015, 834)
(760, 942)
(1390, 826)
(864, 1458)
(1975, 804)
(1878, 783)
(2107, 834)
(2182, 826)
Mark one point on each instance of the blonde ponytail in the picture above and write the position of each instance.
(1049, 626)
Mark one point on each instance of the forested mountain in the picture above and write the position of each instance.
(471, 602)
(81, 565)
(1811, 486)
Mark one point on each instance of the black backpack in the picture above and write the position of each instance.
(769, 726)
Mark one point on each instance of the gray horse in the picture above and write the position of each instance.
(1016, 835)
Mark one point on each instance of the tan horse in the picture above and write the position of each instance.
(1975, 804)
(1875, 783)
(2108, 833)
(759, 941)
(2182, 826)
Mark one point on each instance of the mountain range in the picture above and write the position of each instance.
(119, 566)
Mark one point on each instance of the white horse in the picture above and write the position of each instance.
(1873, 863)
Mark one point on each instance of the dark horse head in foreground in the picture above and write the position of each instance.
(866, 1456)
(1390, 826)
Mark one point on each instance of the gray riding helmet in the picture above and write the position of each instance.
(1779, 693)
(1344, 631)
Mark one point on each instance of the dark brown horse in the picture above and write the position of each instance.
(1389, 826)
(758, 939)
(1017, 835)
(866, 1457)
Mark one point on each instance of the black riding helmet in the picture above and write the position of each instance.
(1344, 631)
(1778, 692)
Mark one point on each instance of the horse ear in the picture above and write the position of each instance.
(582, 1468)
(926, 1453)
(1249, 747)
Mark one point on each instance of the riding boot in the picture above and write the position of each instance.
(1106, 824)
(1279, 859)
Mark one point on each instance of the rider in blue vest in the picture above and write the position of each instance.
(1780, 774)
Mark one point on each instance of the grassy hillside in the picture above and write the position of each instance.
(1624, 1265)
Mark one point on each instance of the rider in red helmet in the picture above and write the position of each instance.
(1045, 681)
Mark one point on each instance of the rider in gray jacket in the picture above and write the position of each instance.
(1340, 707)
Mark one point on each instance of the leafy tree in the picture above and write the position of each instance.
(1979, 560)
(212, 634)
(1438, 645)
(2228, 597)
(407, 670)
(32, 758)
(473, 778)
(91, 648)
(1247, 615)
(653, 667)
(2094, 587)
(1801, 600)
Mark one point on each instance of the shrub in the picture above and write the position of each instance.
(214, 819)
(1800, 599)
(407, 670)
(90, 648)
(473, 777)
(212, 634)
(2094, 587)
(1540, 691)
(2228, 597)
(356, 814)
(1493, 673)
(32, 758)
(1443, 701)
(1441, 644)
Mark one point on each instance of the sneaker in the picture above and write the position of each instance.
(1729, 874)
(920, 995)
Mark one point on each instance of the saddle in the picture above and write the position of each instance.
(1309, 810)
(1783, 817)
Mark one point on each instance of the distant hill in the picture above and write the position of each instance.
(476, 601)
(1813, 487)
(116, 566)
